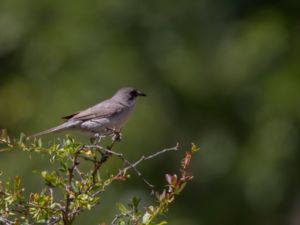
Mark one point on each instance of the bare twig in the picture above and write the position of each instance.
(114, 221)
(144, 158)
(128, 163)
(4, 150)
(79, 174)
(87, 158)
(97, 166)
(106, 151)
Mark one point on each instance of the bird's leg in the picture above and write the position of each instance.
(117, 136)
(114, 133)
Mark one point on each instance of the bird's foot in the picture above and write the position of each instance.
(117, 136)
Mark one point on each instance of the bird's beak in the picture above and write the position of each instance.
(141, 93)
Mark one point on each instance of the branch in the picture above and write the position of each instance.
(115, 220)
(130, 165)
(66, 218)
(144, 158)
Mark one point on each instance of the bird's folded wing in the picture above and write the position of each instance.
(102, 110)
(70, 116)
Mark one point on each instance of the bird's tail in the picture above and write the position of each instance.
(62, 127)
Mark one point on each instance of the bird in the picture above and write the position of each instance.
(103, 119)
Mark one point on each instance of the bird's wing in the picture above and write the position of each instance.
(70, 116)
(101, 110)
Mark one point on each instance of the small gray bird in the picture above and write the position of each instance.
(103, 119)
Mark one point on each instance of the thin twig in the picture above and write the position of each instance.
(144, 158)
(79, 174)
(133, 165)
(66, 218)
(118, 216)
(97, 166)
(121, 156)
(4, 150)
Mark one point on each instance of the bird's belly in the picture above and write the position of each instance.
(95, 125)
(105, 126)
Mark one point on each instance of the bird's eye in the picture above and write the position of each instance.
(134, 93)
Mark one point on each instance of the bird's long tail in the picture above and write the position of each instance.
(62, 127)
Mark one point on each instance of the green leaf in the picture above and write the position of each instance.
(162, 223)
(182, 186)
(134, 203)
(17, 183)
(63, 167)
(40, 143)
(122, 222)
(147, 218)
(194, 148)
(51, 179)
(124, 211)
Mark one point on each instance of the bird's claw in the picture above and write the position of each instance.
(117, 136)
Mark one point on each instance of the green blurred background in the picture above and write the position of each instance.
(222, 74)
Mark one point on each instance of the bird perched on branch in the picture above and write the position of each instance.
(103, 119)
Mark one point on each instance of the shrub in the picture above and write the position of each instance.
(83, 187)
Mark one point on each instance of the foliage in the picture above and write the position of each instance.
(72, 189)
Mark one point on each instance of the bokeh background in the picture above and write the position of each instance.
(221, 74)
